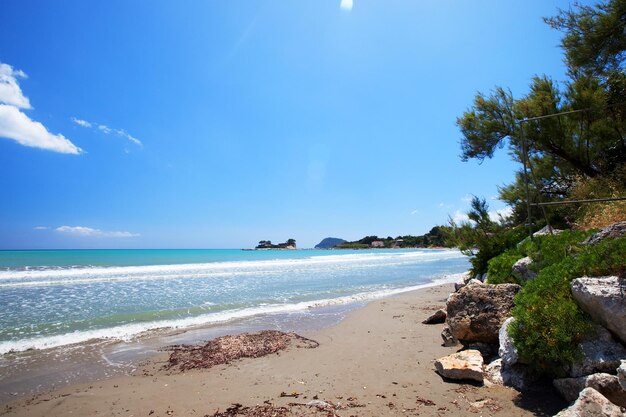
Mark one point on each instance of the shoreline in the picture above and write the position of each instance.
(132, 331)
(32, 371)
(380, 354)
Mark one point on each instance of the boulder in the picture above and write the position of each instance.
(437, 317)
(591, 403)
(621, 374)
(493, 372)
(547, 230)
(448, 339)
(507, 350)
(606, 384)
(605, 300)
(521, 270)
(520, 377)
(612, 231)
(476, 312)
(458, 286)
(467, 364)
(601, 353)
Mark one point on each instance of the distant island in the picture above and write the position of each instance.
(290, 244)
(436, 237)
(330, 243)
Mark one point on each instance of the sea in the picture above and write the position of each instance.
(54, 298)
(77, 316)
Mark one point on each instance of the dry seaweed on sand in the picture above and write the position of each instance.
(269, 410)
(228, 348)
(237, 410)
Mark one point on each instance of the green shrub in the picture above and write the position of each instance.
(499, 270)
(605, 258)
(549, 325)
(551, 249)
(493, 245)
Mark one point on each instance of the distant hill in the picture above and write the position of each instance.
(436, 237)
(329, 243)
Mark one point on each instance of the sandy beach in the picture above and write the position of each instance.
(377, 361)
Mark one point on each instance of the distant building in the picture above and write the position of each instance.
(378, 244)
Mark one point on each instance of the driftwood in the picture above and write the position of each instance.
(228, 348)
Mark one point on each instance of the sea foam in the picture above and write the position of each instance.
(129, 331)
(51, 307)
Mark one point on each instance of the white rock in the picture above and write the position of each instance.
(467, 364)
(507, 350)
(612, 231)
(605, 384)
(521, 269)
(621, 374)
(591, 403)
(547, 230)
(448, 339)
(600, 354)
(605, 300)
(493, 372)
(521, 377)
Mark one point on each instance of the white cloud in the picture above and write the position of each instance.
(125, 134)
(10, 91)
(346, 5)
(41, 228)
(107, 130)
(460, 217)
(80, 122)
(17, 126)
(467, 198)
(495, 215)
(502, 213)
(88, 231)
(414, 212)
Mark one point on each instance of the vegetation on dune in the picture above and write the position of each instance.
(578, 154)
(549, 325)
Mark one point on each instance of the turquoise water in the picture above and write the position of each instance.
(19, 259)
(54, 298)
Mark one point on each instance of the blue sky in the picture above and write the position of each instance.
(207, 124)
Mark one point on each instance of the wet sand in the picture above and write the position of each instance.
(377, 361)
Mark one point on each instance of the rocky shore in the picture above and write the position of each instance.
(478, 319)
